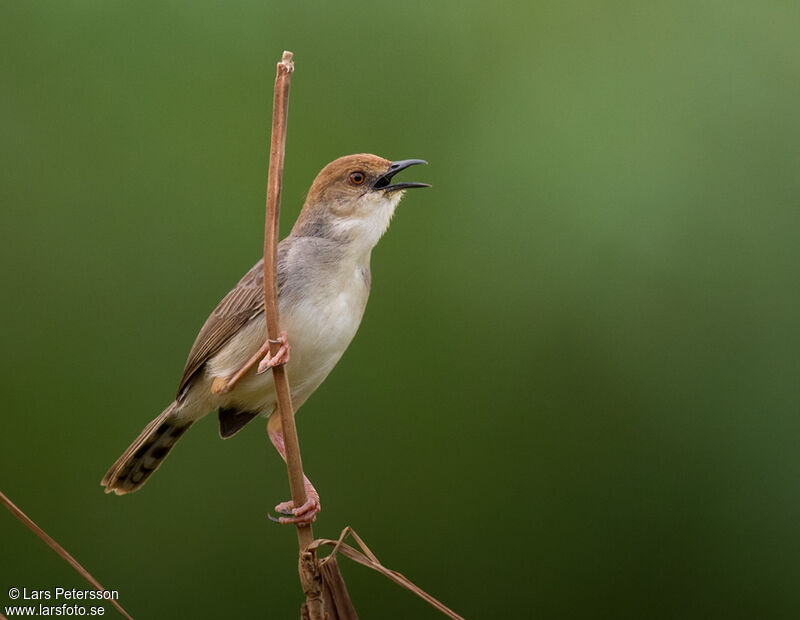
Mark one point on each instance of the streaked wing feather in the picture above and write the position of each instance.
(242, 303)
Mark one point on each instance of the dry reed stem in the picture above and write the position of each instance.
(277, 152)
(58, 549)
(309, 573)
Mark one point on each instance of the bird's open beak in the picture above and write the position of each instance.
(384, 181)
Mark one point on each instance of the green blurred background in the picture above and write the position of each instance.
(575, 391)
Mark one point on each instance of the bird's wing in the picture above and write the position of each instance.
(244, 302)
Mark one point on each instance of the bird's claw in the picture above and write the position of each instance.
(305, 515)
(281, 356)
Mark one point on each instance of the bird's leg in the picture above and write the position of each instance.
(280, 357)
(307, 513)
(223, 385)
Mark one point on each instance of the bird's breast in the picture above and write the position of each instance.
(322, 322)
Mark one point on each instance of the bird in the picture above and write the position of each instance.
(323, 280)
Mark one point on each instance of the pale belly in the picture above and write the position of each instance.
(319, 328)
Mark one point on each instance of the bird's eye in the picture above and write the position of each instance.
(357, 178)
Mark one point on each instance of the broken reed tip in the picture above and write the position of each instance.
(286, 61)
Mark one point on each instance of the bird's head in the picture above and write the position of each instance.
(353, 199)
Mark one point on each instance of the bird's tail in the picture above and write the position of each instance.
(146, 454)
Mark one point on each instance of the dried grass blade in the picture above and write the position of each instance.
(368, 559)
(28, 522)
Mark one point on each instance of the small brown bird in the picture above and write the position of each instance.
(323, 281)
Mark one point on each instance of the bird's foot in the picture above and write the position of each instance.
(305, 515)
(280, 357)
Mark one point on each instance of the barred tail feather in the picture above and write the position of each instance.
(146, 453)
